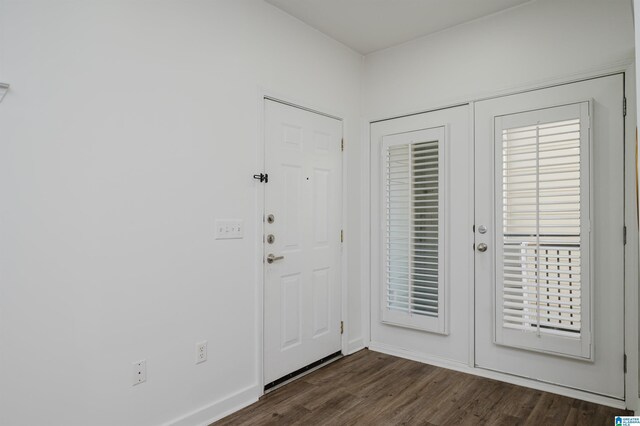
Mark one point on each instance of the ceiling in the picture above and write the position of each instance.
(370, 25)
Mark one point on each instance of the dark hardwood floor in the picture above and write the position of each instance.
(370, 388)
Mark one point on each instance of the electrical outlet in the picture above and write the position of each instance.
(139, 372)
(201, 352)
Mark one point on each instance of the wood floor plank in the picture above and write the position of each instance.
(370, 388)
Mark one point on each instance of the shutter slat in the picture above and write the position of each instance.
(549, 146)
(515, 314)
(534, 293)
(564, 329)
(570, 334)
(555, 264)
(571, 194)
(510, 307)
(532, 300)
(542, 271)
(508, 282)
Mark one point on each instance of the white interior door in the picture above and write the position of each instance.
(549, 235)
(303, 210)
(422, 213)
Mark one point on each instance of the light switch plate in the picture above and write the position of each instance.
(227, 229)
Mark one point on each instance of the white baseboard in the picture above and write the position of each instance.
(503, 377)
(354, 346)
(219, 409)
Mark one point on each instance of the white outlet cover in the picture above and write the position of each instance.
(201, 352)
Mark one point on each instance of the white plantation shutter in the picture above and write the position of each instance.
(542, 187)
(413, 217)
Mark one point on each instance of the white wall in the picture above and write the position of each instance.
(526, 45)
(130, 126)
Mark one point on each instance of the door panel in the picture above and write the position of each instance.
(558, 318)
(302, 290)
(453, 166)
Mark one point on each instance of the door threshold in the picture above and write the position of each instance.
(278, 383)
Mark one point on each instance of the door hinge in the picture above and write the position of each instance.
(262, 177)
(625, 363)
(341, 236)
(624, 106)
(624, 235)
(342, 144)
(341, 327)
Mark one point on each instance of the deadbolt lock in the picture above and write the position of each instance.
(271, 219)
(271, 239)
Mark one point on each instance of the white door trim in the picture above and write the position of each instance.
(267, 95)
(631, 249)
(627, 67)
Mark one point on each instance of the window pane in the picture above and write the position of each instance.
(541, 228)
(412, 207)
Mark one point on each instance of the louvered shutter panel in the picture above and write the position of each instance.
(543, 208)
(413, 216)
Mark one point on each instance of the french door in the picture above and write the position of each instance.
(302, 241)
(422, 212)
(549, 235)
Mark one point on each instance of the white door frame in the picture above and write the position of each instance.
(263, 96)
(632, 400)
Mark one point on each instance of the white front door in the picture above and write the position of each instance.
(303, 210)
(549, 242)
